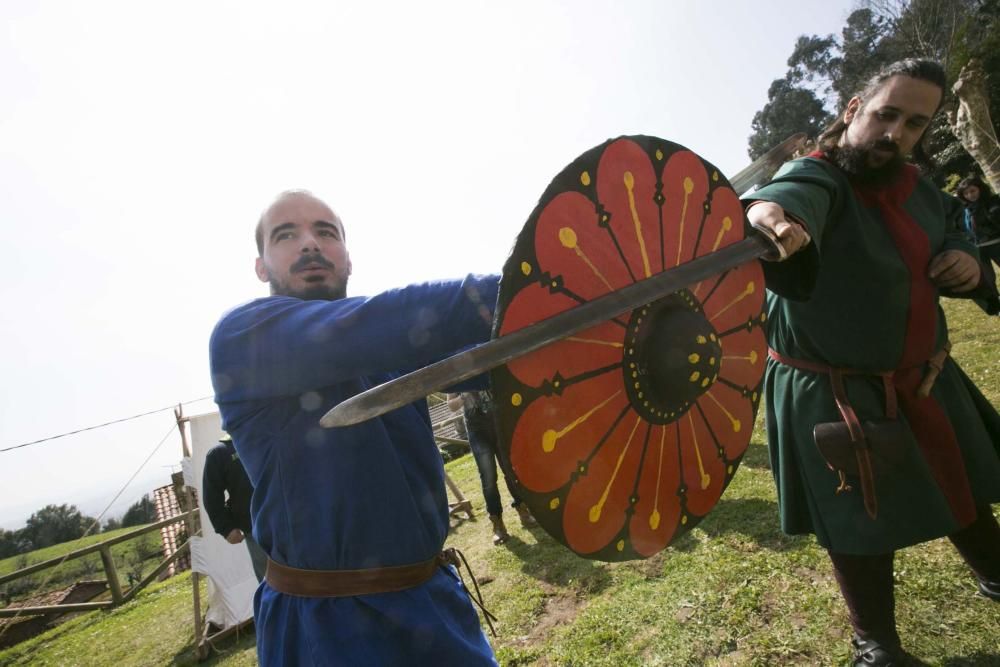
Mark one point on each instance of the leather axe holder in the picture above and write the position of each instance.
(879, 453)
(884, 438)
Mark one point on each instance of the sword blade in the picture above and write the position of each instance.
(418, 384)
(764, 167)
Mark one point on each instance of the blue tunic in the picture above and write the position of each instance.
(369, 495)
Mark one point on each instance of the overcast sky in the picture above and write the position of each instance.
(139, 142)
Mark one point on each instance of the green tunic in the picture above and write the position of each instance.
(858, 297)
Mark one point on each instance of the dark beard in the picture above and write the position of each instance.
(854, 161)
(314, 292)
(318, 292)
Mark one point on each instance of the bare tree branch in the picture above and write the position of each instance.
(972, 124)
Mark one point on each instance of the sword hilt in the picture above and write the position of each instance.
(775, 251)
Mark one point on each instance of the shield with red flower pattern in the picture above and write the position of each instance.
(623, 437)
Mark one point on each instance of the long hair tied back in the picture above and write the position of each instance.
(916, 68)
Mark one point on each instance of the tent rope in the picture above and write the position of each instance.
(96, 523)
(114, 421)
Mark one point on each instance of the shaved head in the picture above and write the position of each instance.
(300, 248)
(283, 196)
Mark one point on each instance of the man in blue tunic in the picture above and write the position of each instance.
(353, 519)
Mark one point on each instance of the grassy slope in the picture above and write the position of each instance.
(735, 591)
(154, 629)
(8, 565)
(87, 567)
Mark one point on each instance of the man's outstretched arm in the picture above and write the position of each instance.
(283, 346)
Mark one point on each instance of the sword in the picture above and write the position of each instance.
(470, 363)
(761, 169)
(761, 244)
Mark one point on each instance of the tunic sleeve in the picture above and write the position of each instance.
(283, 346)
(808, 190)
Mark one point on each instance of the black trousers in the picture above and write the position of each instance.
(867, 586)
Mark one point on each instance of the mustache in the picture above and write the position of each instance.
(308, 261)
(885, 145)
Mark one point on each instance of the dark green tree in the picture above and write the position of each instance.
(866, 46)
(9, 543)
(952, 32)
(823, 74)
(141, 512)
(878, 32)
(789, 109)
(54, 524)
(977, 39)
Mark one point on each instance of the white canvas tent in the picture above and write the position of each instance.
(231, 580)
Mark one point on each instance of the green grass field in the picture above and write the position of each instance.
(134, 557)
(734, 591)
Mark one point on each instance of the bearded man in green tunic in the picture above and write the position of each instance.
(878, 440)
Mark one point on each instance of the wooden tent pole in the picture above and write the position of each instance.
(181, 421)
(190, 524)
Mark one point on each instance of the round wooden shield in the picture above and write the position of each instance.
(623, 437)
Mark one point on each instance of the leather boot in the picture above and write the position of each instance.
(990, 589)
(500, 534)
(872, 653)
(526, 519)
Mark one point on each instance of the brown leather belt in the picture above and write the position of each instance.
(856, 431)
(347, 583)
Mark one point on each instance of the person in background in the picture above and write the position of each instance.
(982, 223)
(477, 410)
(225, 494)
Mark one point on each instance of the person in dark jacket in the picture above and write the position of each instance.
(477, 412)
(982, 224)
(230, 516)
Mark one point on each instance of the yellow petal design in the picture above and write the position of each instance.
(747, 291)
(595, 511)
(629, 186)
(550, 436)
(568, 239)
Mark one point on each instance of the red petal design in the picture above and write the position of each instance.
(724, 224)
(584, 442)
(569, 243)
(542, 471)
(683, 206)
(739, 298)
(534, 303)
(658, 484)
(624, 166)
(595, 507)
(744, 355)
(700, 500)
(731, 425)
